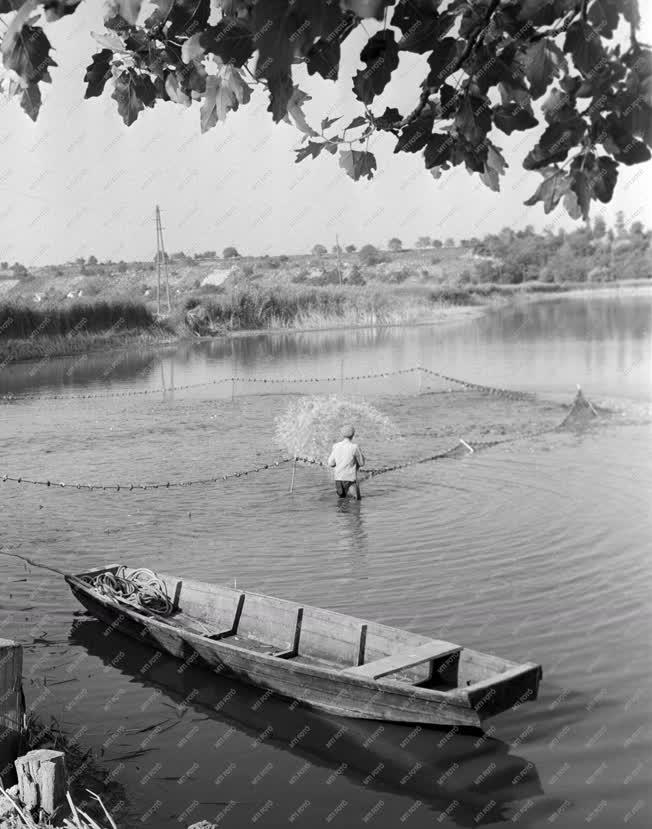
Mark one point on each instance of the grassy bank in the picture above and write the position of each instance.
(256, 308)
(27, 332)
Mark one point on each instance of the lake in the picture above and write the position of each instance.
(536, 549)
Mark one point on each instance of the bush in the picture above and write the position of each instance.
(92, 287)
(331, 277)
(355, 277)
(230, 253)
(369, 255)
(301, 277)
(396, 277)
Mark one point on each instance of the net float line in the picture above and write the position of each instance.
(16, 398)
(140, 487)
(509, 393)
(465, 384)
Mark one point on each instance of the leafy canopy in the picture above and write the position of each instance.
(573, 67)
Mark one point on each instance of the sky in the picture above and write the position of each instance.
(78, 182)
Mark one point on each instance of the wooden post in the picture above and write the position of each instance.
(12, 706)
(42, 780)
(294, 472)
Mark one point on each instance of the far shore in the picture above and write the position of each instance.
(31, 350)
(14, 351)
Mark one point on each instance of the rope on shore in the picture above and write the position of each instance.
(140, 588)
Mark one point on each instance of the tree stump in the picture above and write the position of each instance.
(11, 707)
(42, 779)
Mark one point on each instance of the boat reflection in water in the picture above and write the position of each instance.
(461, 775)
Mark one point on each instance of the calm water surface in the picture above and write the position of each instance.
(535, 549)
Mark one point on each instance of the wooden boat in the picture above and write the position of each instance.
(327, 660)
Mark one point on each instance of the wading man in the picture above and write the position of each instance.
(347, 458)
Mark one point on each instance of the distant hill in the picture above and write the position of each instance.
(589, 254)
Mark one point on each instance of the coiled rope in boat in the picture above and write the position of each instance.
(141, 588)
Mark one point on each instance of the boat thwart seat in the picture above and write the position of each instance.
(403, 660)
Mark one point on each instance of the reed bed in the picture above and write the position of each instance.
(29, 332)
(24, 322)
(299, 306)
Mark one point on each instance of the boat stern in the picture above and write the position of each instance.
(503, 691)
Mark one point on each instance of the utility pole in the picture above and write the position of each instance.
(158, 264)
(339, 264)
(161, 258)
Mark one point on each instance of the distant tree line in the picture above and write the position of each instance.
(591, 253)
(594, 252)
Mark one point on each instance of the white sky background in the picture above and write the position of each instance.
(79, 182)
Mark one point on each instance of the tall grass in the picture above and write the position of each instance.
(300, 306)
(19, 817)
(21, 322)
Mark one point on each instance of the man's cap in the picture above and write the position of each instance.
(348, 431)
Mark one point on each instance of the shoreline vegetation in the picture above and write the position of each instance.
(87, 305)
(29, 333)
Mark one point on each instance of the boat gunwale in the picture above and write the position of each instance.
(429, 695)
(459, 696)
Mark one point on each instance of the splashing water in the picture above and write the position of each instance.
(309, 425)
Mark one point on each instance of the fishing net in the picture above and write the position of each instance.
(309, 426)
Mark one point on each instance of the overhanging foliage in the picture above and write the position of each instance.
(492, 65)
